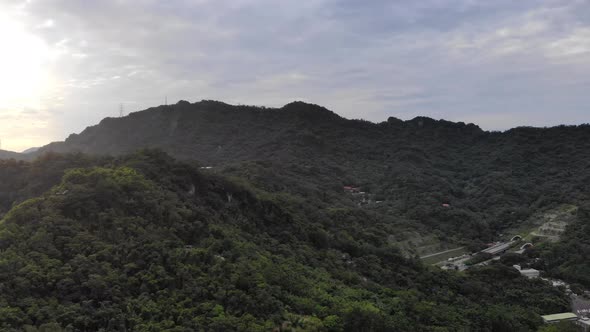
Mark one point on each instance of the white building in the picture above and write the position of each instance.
(529, 273)
(584, 322)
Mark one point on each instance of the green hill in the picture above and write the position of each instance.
(287, 219)
(145, 243)
(492, 181)
(11, 155)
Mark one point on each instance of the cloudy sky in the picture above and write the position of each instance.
(66, 64)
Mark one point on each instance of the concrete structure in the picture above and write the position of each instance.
(563, 317)
(499, 248)
(580, 306)
(584, 323)
(529, 273)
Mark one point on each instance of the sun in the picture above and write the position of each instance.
(25, 82)
(23, 66)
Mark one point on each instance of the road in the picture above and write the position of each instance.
(499, 248)
(441, 252)
(459, 262)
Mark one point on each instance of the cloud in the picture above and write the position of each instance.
(523, 62)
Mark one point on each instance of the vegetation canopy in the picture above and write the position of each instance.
(145, 243)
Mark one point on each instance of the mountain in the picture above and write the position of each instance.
(30, 150)
(214, 132)
(144, 243)
(489, 182)
(254, 219)
(10, 155)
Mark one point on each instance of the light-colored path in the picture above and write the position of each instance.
(441, 252)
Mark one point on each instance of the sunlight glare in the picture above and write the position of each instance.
(23, 61)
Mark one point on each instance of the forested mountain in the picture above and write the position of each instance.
(491, 180)
(249, 218)
(214, 132)
(11, 155)
(568, 258)
(144, 243)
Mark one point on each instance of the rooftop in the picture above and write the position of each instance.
(559, 317)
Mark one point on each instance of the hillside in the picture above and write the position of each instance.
(30, 150)
(214, 133)
(145, 243)
(491, 181)
(10, 155)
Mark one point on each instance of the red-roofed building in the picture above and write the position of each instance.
(352, 189)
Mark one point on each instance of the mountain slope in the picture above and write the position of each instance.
(214, 132)
(10, 155)
(30, 150)
(489, 181)
(21, 180)
(145, 243)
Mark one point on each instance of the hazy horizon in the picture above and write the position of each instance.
(498, 64)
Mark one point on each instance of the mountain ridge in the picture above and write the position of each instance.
(287, 217)
(294, 111)
(167, 121)
(4, 154)
(411, 166)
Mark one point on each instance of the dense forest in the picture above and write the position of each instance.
(250, 218)
(146, 243)
(568, 258)
(11, 155)
(492, 181)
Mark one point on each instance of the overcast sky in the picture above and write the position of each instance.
(67, 64)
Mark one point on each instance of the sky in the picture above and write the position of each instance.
(66, 64)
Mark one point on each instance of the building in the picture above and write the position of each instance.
(498, 248)
(580, 306)
(351, 189)
(563, 317)
(529, 273)
(584, 323)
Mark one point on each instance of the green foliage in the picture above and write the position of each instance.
(492, 180)
(561, 327)
(300, 156)
(511, 259)
(568, 258)
(478, 258)
(145, 243)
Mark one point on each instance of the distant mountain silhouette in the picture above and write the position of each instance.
(30, 150)
(215, 132)
(10, 155)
